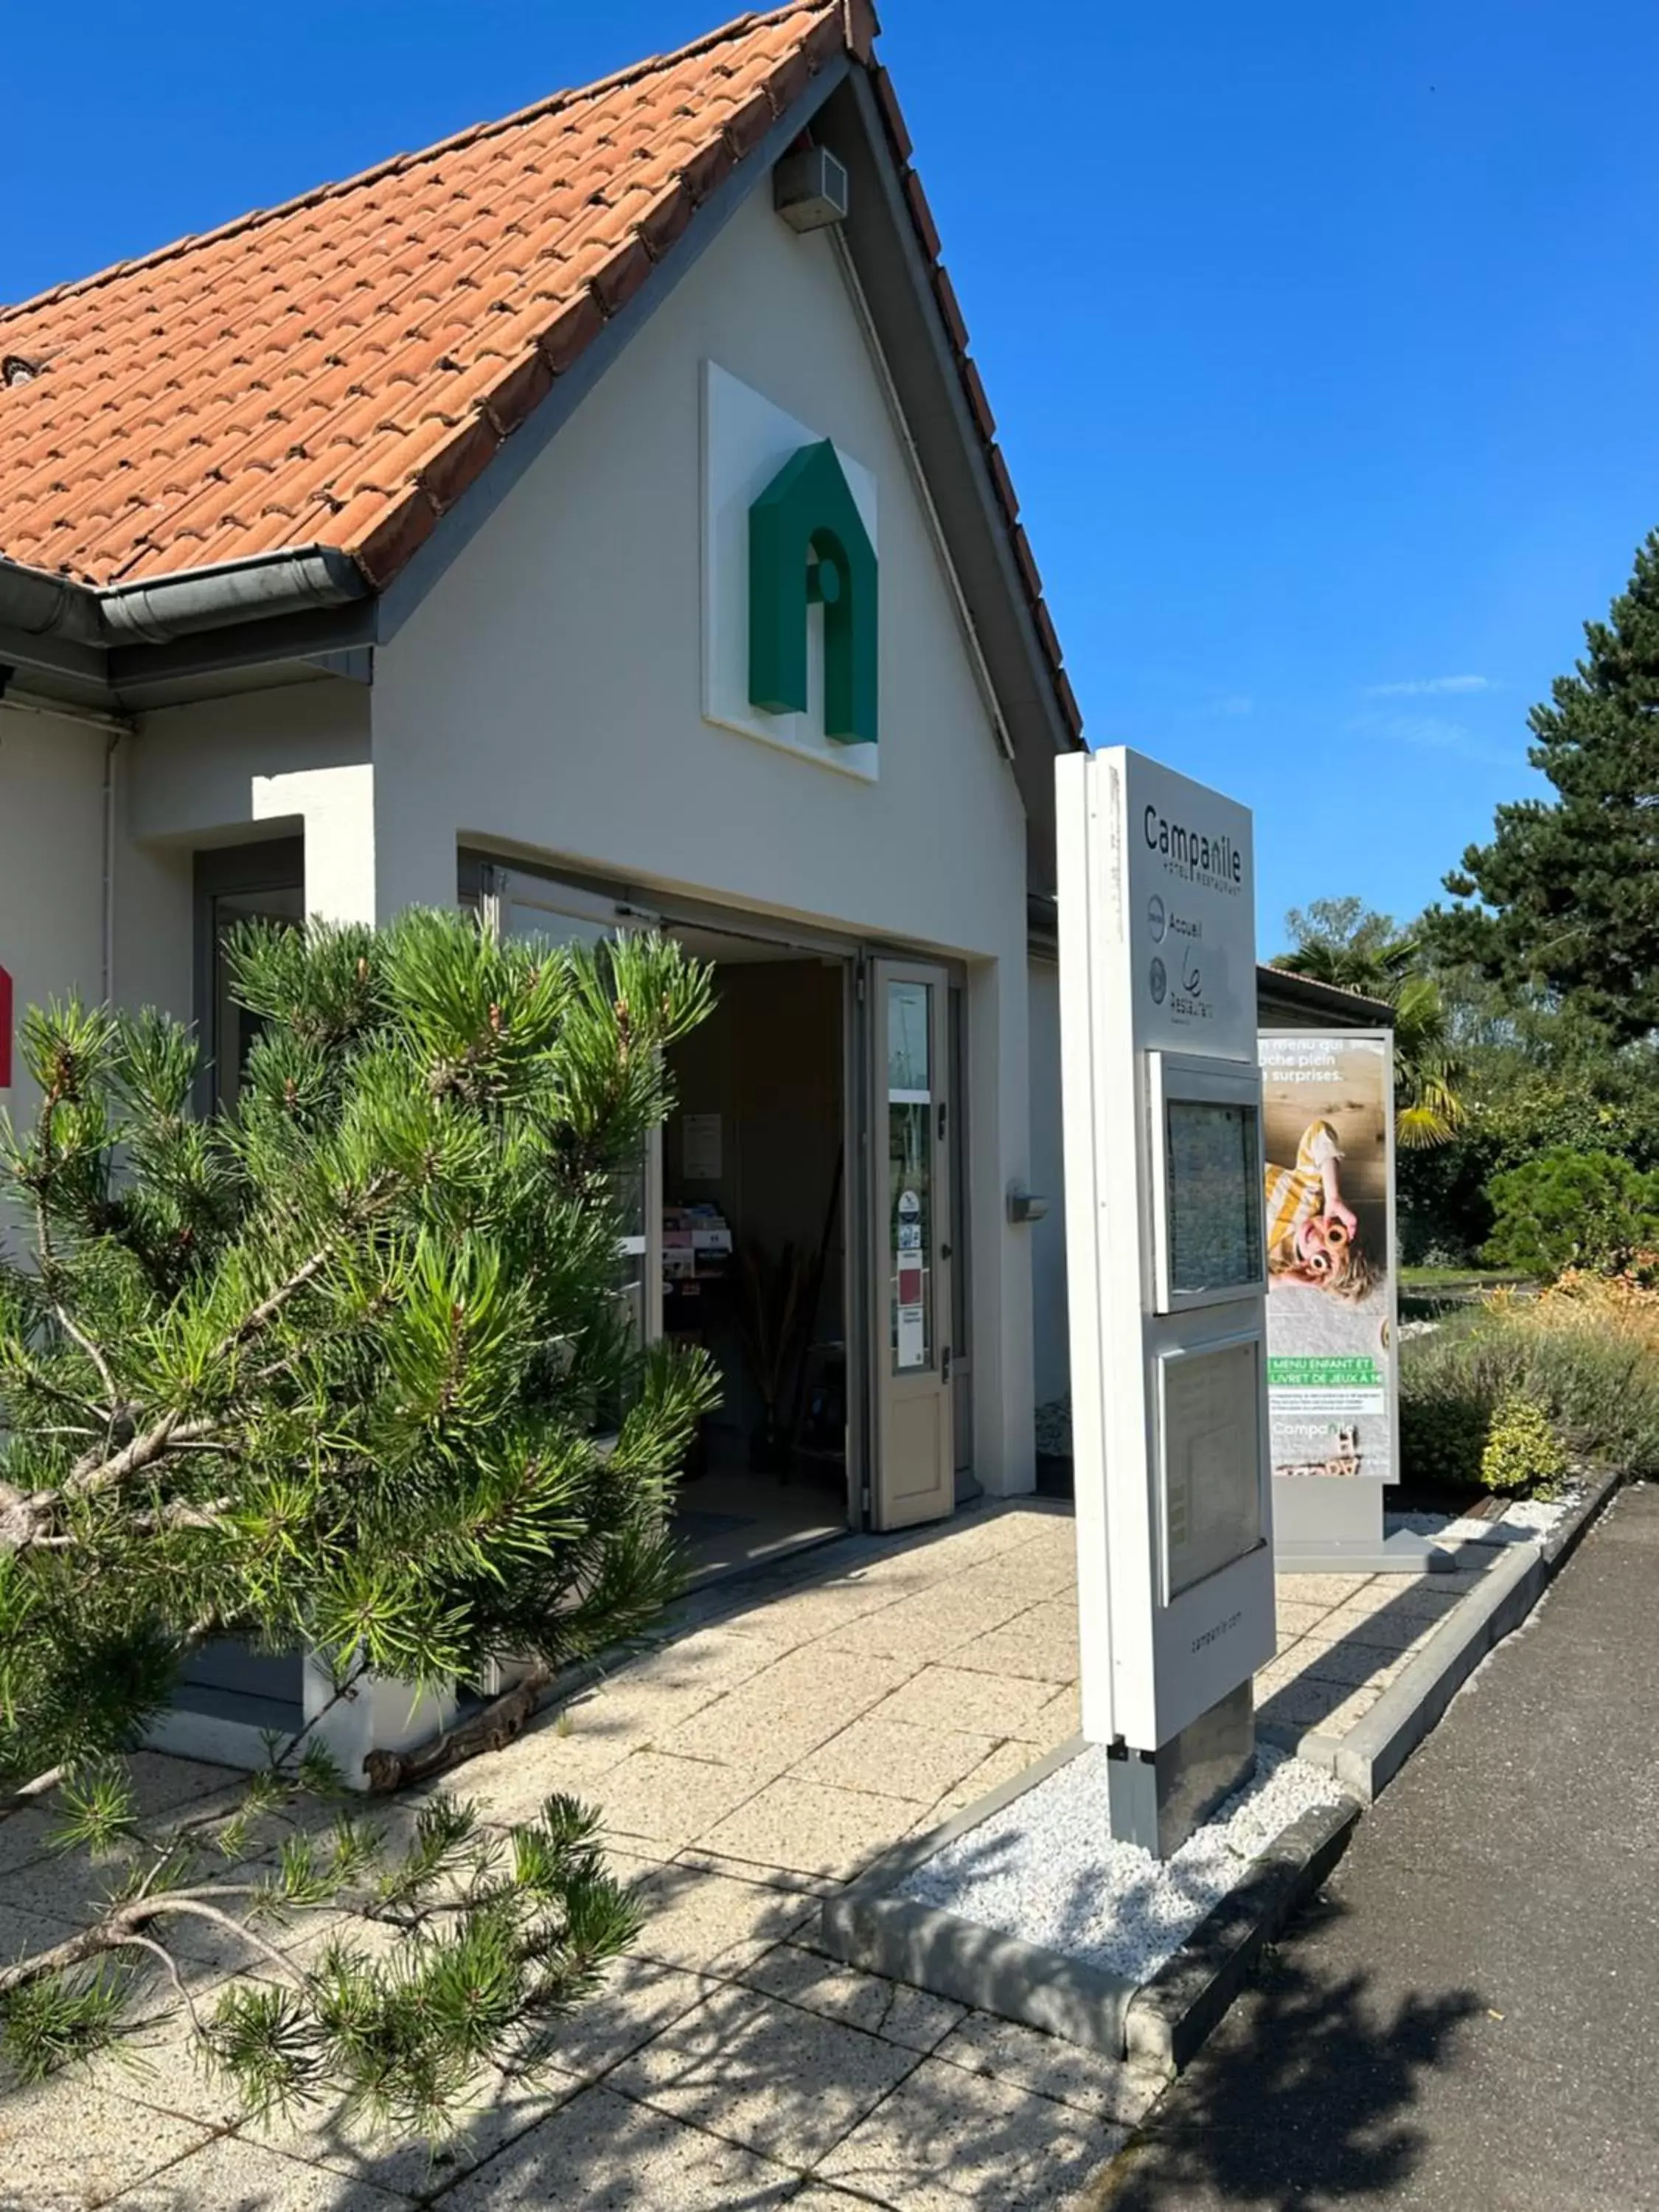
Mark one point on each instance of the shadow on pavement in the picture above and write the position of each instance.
(1304, 2098)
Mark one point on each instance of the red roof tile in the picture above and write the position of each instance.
(337, 371)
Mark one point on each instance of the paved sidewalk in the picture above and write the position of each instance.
(792, 1727)
(1466, 2023)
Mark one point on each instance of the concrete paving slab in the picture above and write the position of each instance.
(946, 2140)
(503, 2110)
(812, 1828)
(709, 1922)
(1048, 2066)
(232, 2174)
(796, 1703)
(68, 2144)
(892, 2010)
(641, 1997)
(946, 1697)
(765, 2075)
(1041, 1642)
(999, 1766)
(666, 1799)
(896, 1758)
(602, 2153)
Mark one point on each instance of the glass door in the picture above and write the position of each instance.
(915, 1471)
(533, 906)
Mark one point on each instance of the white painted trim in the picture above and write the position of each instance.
(924, 495)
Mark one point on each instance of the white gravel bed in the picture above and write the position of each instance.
(1046, 1869)
(1524, 1520)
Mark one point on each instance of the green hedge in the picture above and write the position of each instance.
(1596, 1389)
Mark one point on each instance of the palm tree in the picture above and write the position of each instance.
(1341, 941)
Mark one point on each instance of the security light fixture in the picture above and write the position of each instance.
(809, 189)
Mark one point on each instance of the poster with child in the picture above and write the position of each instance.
(1327, 1129)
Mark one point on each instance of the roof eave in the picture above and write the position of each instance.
(95, 636)
(1348, 1009)
(898, 284)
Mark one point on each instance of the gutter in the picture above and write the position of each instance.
(38, 605)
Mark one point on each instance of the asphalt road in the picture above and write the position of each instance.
(1468, 2019)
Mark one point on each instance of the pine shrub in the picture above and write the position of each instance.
(346, 1368)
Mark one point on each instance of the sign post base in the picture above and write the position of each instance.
(1156, 1798)
(1325, 1527)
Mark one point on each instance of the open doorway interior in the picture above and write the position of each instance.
(226, 1681)
(755, 1265)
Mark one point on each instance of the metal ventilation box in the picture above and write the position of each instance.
(809, 189)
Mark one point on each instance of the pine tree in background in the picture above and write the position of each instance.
(1568, 887)
(346, 1368)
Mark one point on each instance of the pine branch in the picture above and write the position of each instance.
(160, 1952)
(117, 1929)
(49, 1106)
(93, 1473)
(26, 1797)
(364, 1323)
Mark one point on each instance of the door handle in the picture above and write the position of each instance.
(943, 1251)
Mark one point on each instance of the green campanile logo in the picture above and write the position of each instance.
(808, 545)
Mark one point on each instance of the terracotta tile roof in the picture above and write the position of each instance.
(337, 371)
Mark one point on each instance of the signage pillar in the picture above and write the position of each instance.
(1167, 1284)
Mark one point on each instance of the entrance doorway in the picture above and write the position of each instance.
(755, 1246)
(801, 1216)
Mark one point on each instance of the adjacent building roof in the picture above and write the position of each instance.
(333, 374)
(1328, 1006)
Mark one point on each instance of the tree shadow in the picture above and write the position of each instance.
(745, 2101)
(1305, 2096)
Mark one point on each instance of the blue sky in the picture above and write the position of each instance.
(1322, 340)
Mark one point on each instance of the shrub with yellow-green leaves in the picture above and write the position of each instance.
(1522, 1451)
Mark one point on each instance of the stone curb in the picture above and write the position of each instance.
(868, 1926)
(1563, 1540)
(1157, 2025)
(1171, 2015)
(979, 1966)
(1367, 1758)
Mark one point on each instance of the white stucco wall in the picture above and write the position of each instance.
(546, 697)
(228, 772)
(196, 773)
(1051, 1353)
(52, 865)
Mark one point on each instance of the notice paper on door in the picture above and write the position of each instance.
(910, 1311)
(912, 1337)
(700, 1147)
